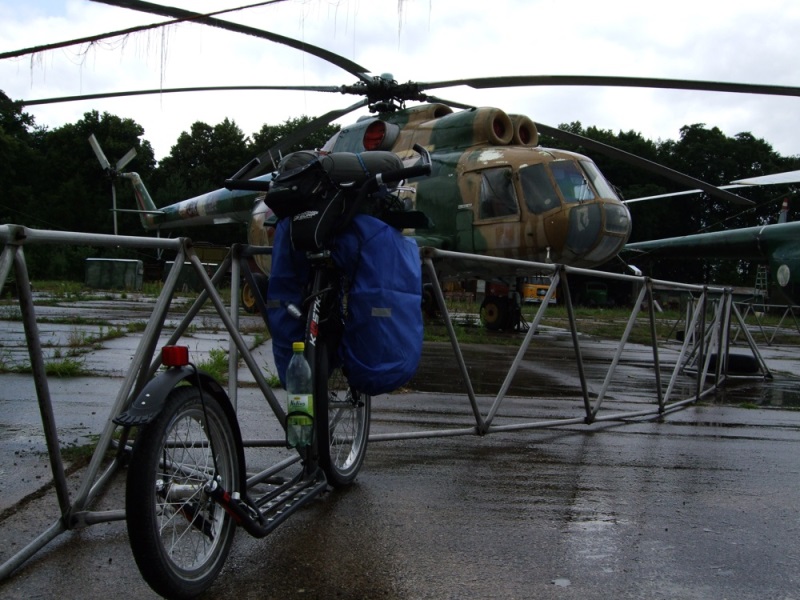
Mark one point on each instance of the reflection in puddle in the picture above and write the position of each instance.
(783, 391)
(551, 371)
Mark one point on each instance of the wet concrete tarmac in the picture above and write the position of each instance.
(701, 504)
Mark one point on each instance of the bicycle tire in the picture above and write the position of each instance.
(341, 420)
(180, 543)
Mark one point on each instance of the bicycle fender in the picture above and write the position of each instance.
(150, 401)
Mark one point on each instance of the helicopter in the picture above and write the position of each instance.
(776, 245)
(493, 189)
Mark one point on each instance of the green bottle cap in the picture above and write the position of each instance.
(298, 346)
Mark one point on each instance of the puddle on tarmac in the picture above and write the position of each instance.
(552, 372)
(783, 391)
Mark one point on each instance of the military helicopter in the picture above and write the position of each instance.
(492, 191)
(775, 245)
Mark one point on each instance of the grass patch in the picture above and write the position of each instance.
(216, 365)
(66, 367)
(80, 455)
(69, 366)
(136, 326)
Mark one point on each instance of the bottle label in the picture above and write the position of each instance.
(301, 403)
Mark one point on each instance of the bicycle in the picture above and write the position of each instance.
(187, 491)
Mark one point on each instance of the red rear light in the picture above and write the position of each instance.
(373, 136)
(175, 356)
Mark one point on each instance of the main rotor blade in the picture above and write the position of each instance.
(117, 33)
(179, 13)
(449, 102)
(265, 158)
(643, 163)
(614, 81)
(218, 88)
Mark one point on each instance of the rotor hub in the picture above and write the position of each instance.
(384, 94)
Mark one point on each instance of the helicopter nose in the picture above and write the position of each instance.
(598, 231)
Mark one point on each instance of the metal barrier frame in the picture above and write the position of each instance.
(789, 310)
(702, 340)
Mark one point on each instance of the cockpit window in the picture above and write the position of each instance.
(598, 181)
(571, 181)
(498, 198)
(540, 195)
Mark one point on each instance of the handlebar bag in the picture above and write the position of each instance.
(287, 281)
(382, 339)
(308, 198)
(315, 190)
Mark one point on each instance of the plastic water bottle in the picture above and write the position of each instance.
(299, 400)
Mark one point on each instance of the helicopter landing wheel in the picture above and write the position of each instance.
(248, 294)
(494, 313)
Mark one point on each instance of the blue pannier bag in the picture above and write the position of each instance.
(287, 281)
(382, 340)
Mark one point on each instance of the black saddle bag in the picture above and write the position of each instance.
(316, 190)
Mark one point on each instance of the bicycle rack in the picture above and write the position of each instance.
(701, 341)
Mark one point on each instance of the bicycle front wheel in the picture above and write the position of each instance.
(342, 420)
(179, 536)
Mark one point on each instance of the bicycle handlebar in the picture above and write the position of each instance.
(404, 173)
(389, 177)
(250, 185)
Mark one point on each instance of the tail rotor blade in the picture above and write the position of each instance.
(129, 156)
(99, 153)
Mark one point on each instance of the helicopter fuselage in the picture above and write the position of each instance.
(494, 191)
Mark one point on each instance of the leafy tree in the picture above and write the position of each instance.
(78, 194)
(200, 161)
(19, 162)
(269, 135)
(58, 184)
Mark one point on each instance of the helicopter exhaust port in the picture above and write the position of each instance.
(525, 132)
(493, 125)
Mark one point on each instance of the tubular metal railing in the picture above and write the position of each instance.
(704, 339)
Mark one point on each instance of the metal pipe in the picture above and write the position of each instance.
(272, 400)
(522, 349)
(620, 347)
(40, 381)
(462, 365)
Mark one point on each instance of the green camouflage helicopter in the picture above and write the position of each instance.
(774, 245)
(492, 190)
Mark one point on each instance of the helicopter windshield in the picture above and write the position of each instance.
(498, 198)
(540, 195)
(571, 181)
(598, 181)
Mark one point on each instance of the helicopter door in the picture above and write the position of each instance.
(497, 215)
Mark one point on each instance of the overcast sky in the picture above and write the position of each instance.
(421, 40)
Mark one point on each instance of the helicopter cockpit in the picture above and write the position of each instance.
(566, 202)
(599, 224)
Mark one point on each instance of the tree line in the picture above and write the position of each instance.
(50, 179)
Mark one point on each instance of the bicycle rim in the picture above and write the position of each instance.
(342, 423)
(180, 538)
